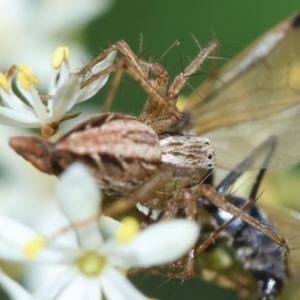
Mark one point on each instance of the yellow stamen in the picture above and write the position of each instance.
(3, 82)
(34, 80)
(60, 55)
(24, 69)
(34, 247)
(67, 52)
(128, 231)
(27, 75)
(25, 84)
(91, 263)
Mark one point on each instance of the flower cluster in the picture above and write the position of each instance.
(93, 258)
(35, 111)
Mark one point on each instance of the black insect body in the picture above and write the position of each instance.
(259, 254)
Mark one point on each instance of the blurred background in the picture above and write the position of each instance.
(30, 31)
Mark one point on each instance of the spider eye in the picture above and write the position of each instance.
(209, 156)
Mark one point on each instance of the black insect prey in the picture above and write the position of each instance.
(259, 254)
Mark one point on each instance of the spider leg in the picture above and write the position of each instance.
(154, 114)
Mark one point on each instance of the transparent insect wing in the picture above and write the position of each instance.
(288, 223)
(254, 96)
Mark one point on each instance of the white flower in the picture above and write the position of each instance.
(94, 266)
(29, 33)
(64, 90)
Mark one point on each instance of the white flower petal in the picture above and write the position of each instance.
(78, 193)
(52, 88)
(58, 78)
(75, 290)
(80, 198)
(9, 252)
(92, 235)
(116, 286)
(94, 291)
(18, 118)
(56, 256)
(38, 105)
(24, 93)
(81, 288)
(51, 290)
(65, 98)
(89, 236)
(36, 275)
(13, 289)
(14, 236)
(158, 244)
(11, 122)
(10, 100)
(15, 232)
(91, 89)
(108, 227)
(105, 63)
(64, 73)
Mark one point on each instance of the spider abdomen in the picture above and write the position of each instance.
(121, 151)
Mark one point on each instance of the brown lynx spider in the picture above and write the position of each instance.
(140, 158)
